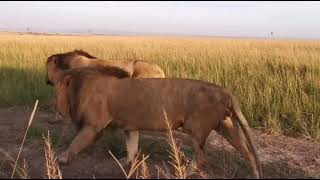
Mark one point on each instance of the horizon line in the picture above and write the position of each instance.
(57, 33)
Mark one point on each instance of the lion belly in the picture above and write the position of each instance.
(142, 104)
(143, 111)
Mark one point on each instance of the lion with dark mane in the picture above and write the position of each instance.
(94, 99)
(80, 58)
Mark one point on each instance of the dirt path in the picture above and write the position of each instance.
(282, 157)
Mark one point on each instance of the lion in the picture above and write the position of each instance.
(80, 58)
(93, 99)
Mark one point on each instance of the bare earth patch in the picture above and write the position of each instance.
(281, 156)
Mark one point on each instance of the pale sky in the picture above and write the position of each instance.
(225, 18)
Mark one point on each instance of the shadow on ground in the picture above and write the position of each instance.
(95, 161)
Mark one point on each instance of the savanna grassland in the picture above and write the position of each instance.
(277, 82)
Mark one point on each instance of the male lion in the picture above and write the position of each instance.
(93, 99)
(80, 58)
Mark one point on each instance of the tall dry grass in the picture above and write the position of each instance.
(21, 170)
(144, 170)
(135, 164)
(178, 161)
(176, 155)
(24, 137)
(275, 81)
(52, 166)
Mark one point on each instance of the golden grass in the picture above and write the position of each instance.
(275, 81)
(135, 164)
(52, 165)
(178, 161)
(144, 170)
(24, 137)
(22, 171)
(176, 154)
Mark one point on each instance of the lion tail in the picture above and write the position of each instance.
(246, 130)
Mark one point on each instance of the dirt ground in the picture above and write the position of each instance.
(281, 156)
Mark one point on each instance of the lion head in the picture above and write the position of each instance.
(62, 61)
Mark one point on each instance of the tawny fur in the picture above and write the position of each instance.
(94, 99)
(80, 58)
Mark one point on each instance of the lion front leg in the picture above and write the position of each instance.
(58, 118)
(84, 138)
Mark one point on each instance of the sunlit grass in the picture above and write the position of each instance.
(275, 81)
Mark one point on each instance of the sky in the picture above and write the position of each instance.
(296, 19)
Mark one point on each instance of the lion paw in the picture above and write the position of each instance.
(124, 162)
(63, 158)
(57, 119)
(54, 121)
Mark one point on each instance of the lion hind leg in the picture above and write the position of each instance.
(235, 136)
(199, 155)
(198, 139)
(132, 141)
